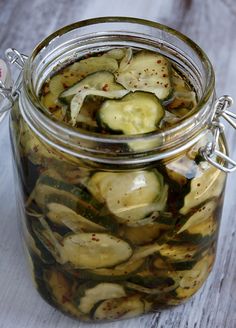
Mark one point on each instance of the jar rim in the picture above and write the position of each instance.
(112, 139)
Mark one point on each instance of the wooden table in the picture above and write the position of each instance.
(211, 23)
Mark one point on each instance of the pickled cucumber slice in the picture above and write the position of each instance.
(146, 71)
(141, 235)
(101, 80)
(91, 65)
(91, 296)
(151, 291)
(184, 99)
(94, 250)
(121, 308)
(117, 53)
(63, 215)
(72, 74)
(61, 291)
(119, 272)
(137, 112)
(181, 169)
(208, 184)
(190, 281)
(152, 280)
(49, 189)
(100, 83)
(178, 253)
(202, 214)
(200, 234)
(131, 196)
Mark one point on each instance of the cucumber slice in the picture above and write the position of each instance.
(119, 272)
(181, 169)
(102, 291)
(208, 184)
(146, 71)
(178, 253)
(94, 250)
(190, 281)
(121, 308)
(48, 239)
(150, 280)
(180, 257)
(199, 234)
(39, 153)
(72, 74)
(142, 234)
(84, 67)
(207, 228)
(49, 189)
(117, 53)
(183, 102)
(137, 112)
(201, 214)
(184, 99)
(101, 84)
(102, 80)
(61, 291)
(130, 196)
(144, 251)
(63, 215)
(151, 291)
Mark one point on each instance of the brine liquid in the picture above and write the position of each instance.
(179, 103)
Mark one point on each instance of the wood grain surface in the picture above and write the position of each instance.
(211, 23)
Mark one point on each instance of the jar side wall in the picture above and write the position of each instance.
(177, 202)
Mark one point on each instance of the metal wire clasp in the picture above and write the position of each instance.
(210, 151)
(11, 93)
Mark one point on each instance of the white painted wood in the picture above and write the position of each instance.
(212, 25)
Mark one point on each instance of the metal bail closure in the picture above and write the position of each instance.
(210, 151)
(10, 91)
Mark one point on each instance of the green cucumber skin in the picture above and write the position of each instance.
(106, 127)
(185, 265)
(152, 281)
(65, 98)
(182, 219)
(46, 256)
(76, 190)
(85, 274)
(89, 208)
(194, 239)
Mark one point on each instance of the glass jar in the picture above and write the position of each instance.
(113, 233)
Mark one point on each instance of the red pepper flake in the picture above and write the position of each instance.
(65, 85)
(105, 87)
(95, 239)
(35, 149)
(65, 299)
(159, 61)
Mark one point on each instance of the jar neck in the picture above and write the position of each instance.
(102, 34)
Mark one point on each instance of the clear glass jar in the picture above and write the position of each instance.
(117, 257)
